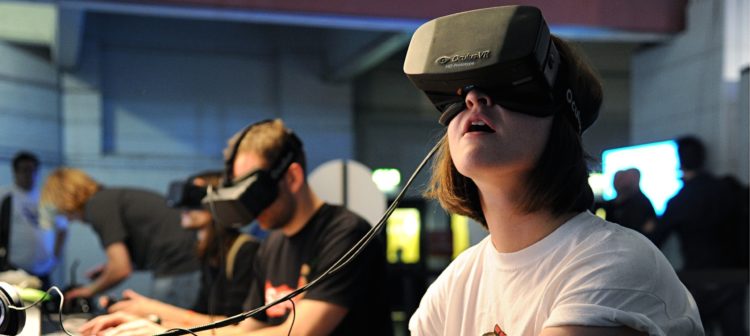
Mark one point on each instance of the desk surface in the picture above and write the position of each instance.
(50, 326)
(33, 326)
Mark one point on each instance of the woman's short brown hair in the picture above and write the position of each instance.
(559, 180)
(68, 190)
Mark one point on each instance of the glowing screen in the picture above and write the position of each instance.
(659, 166)
(402, 236)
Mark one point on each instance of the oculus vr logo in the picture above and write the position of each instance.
(466, 59)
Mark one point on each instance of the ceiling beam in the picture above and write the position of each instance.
(349, 64)
(27, 23)
(66, 48)
(664, 16)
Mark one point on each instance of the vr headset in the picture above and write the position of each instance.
(12, 320)
(239, 201)
(506, 52)
(185, 194)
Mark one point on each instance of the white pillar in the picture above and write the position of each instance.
(690, 84)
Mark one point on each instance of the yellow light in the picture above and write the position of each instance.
(402, 236)
(460, 230)
(601, 213)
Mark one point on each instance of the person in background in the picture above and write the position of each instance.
(36, 242)
(226, 272)
(630, 208)
(703, 215)
(517, 166)
(137, 230)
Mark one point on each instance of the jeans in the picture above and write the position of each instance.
(180, 290)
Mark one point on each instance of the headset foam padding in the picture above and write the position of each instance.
(12, 321)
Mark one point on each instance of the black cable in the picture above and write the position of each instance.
(220, 236)
(358, 247)
(294, 316)
(212, 207)
(341, 262)
(183, 330)
(45, 296)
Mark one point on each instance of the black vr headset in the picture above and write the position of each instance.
(239, 201)
(12, 320)
(186, 195)
(506, 52)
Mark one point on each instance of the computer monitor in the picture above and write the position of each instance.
(658, 163)
(403, 232)
(461, 234)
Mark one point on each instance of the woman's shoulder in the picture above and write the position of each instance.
(593, 232)
(600, 236)
(613, 255)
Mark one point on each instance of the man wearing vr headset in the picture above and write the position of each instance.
(307, 237)
(515, 101)
(136, 229)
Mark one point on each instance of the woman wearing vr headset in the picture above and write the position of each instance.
(226, 270)
(517, 166)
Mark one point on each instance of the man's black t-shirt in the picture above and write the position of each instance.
(284, 264)
(222, 293)
(146, 225)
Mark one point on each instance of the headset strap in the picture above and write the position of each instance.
(291, 147)
(232, 253)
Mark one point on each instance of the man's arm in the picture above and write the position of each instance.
(116, 269)
(313, 317)
(590, 331)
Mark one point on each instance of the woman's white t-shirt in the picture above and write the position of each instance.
(588, 272)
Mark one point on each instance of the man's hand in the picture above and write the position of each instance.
(135, 304)
(84, 292)
(140, 327)
(100, 323)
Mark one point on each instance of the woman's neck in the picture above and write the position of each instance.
(511, 229)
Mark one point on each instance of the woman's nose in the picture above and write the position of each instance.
(475, 98)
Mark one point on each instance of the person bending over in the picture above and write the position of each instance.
(137, 230)
(226, 270)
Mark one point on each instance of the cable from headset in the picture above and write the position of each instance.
(346, 258)
(185, 330)
(294, 316)
(218, 235)
(45, 296)
(359, 246)
(212, 207)
(341, 262)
